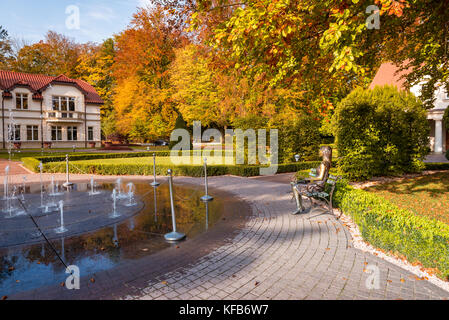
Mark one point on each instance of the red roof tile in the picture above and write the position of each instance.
(389, 74)
(38, 82)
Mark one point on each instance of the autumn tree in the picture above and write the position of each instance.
(329, 42)
(55, 55)
(96, 67)
(5, 48)
(144, 52)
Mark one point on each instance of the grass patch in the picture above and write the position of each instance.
(426, 196)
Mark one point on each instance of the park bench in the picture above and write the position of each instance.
(327, 194)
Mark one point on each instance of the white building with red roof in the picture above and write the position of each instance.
(44, 111)
(389, 74)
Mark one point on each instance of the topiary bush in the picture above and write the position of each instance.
(381, 132)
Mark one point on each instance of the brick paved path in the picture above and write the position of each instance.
(15, 168)
(273, 255)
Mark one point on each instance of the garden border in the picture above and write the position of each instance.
(386, 226)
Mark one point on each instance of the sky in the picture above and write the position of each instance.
(98, 19)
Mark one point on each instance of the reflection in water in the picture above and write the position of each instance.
(115, 237)
(32, 266)
(207, 215)
(155, 204)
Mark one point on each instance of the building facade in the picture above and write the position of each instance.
(42, 111)
(389, 74)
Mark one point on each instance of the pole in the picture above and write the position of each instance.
(174, 235)
(206, 197)
(154, 183)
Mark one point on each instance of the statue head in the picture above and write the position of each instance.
(326, 153)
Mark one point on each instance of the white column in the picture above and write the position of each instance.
(438, 136)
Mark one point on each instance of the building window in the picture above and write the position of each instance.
(14, 132)
(32, 133)
(56, 133)
(90, 133)
(63, 104)
(21, 101)
(72, 133)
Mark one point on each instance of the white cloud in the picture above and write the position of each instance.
(145, 3)
(101, 13)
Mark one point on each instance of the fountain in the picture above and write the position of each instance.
(6, 183)
(61, 229)
(11, 134)
(22, 193)
(81, 218)
(118, 186)
(114, 214)
(93, 192)
(131, 190)
(54, 187)
(41, 167)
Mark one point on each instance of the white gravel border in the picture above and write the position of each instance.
(362, 245)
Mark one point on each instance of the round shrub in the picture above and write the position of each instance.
(381, 132)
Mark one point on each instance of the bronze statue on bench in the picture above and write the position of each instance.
(314, 186)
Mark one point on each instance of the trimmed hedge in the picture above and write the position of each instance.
(390, 228)
(140, 169)
(93, 156)
(437, 166)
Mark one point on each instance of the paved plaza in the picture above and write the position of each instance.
(259, 251)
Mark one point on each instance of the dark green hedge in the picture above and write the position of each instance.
(139, 169)
(93, 156)
(388, 227)
(437, 166)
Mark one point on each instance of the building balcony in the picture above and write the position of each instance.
(64, 116)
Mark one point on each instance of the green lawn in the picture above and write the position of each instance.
(426, 195)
